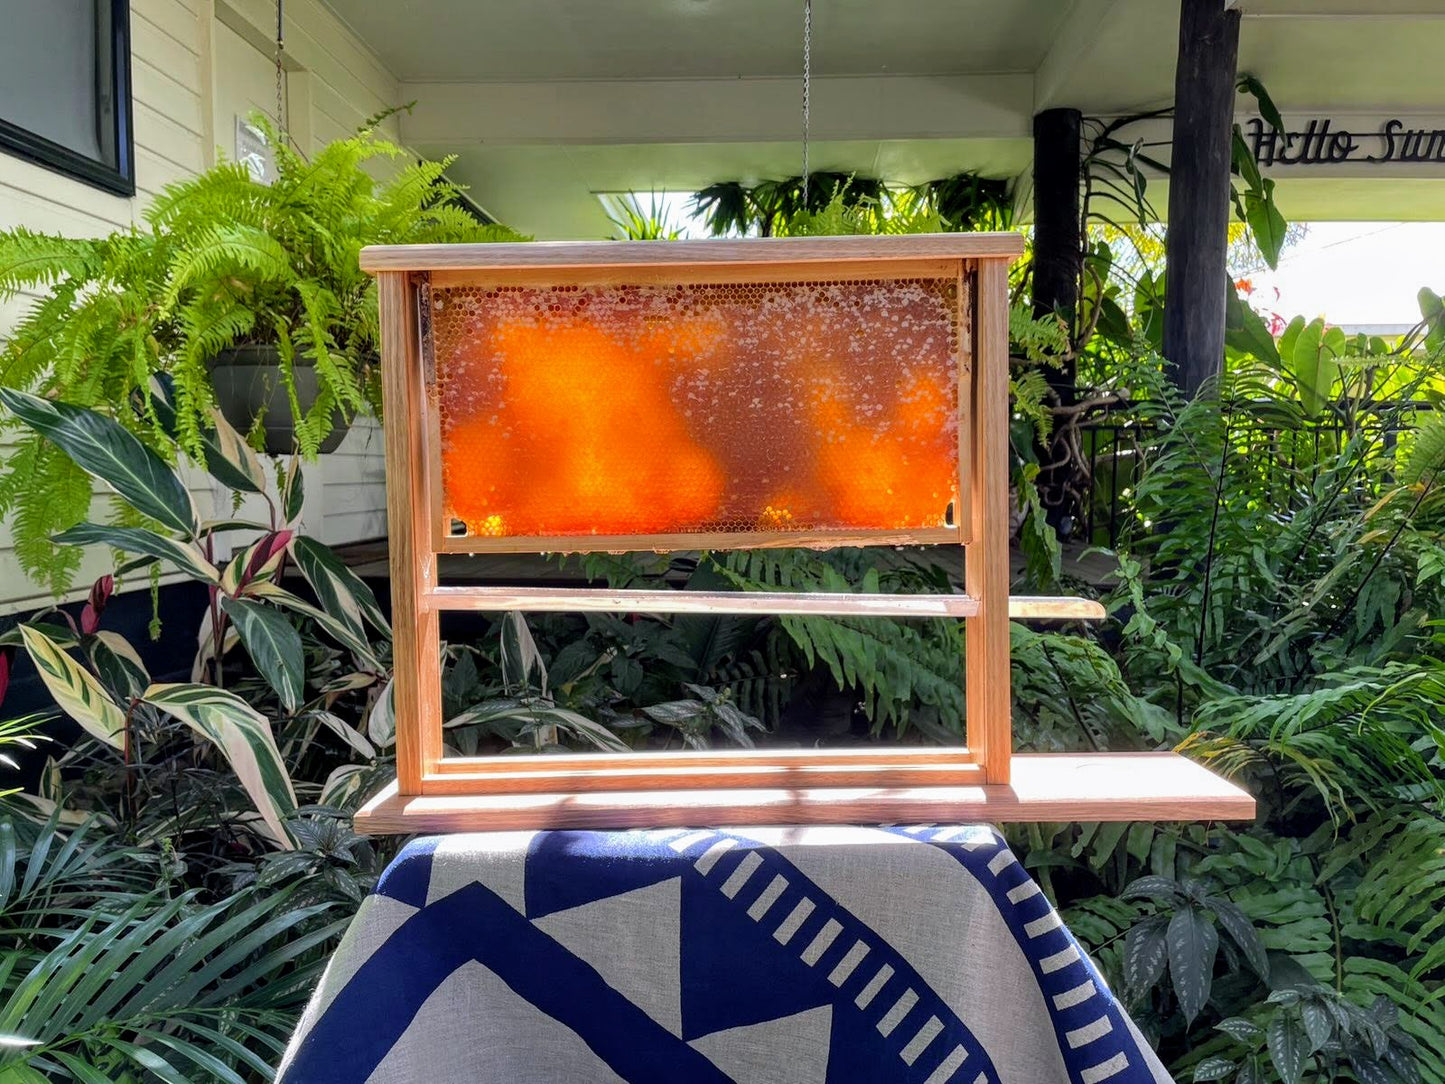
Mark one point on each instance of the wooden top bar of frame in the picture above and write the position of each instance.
(747, 250)
(1044, 787)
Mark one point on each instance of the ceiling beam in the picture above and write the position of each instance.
(895, 107)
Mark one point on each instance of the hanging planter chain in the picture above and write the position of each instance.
(280, 70)
(807, 80)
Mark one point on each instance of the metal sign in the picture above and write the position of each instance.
(1320, 142)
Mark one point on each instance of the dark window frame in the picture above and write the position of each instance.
(118, 178)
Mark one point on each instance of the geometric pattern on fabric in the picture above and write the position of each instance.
(1087, 1021)
(712, 955)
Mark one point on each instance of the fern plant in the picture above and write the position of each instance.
(221, 260)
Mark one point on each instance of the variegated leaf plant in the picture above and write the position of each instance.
(248, 606)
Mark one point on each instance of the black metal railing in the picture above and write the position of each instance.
(1118, 447)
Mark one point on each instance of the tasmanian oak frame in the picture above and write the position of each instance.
(981, 779)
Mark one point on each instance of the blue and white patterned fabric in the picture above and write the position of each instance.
(798, 955)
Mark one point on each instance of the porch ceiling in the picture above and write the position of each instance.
(547, 102)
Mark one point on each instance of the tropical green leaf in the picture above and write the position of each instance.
(1266, 223)
(293, 496)
(185, 556)
(1236, 1027)
(1193, 945)
(102, 448)
(117, 665)
(381, 720)
(342, 631)
(1145, 954)
(236, 460)
(227, 457)
(522, 665)
(274, 646)
(1213, 1069)
(340, 591)
(1286, 1039)
(1242, 932)
(1317, 1024)
(74, 689)
(243, 735)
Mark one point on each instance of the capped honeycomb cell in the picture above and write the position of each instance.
(702, 407)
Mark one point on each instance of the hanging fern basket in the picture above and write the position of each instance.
(249, 386)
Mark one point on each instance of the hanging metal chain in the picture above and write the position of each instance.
(280, 71)
(807, 86)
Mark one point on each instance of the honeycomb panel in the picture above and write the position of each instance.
(703, 407)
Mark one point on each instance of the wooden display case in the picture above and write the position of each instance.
(725, 394)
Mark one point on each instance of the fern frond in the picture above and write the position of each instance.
(1426, 461)
(225, 250)
(29, 260)
(37, 468)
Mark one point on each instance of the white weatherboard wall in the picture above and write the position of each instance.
(194, 65)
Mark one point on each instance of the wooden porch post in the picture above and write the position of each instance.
(1197, 240)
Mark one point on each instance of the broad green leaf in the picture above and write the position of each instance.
(118, 665)
(1369, 1071)
(274, 646)
(1213, 1069)
(75, 690)
(381, 722)
(522, 665)
(1432, 309)
(239, 458)
(1242, 932)
(1286, 1040)
(1244, 162)
(1289, 336)
(1314, 368)
(234, 468)
(293, 496)
(675, 712)
(343, 783)
(1145, 955)
(103, 448)
(1317, 1024)
(185, 556)
(1251, 85)
(1193, 944)
(346, 732)
(340, 591)
(1265, 222)
(22, 1074)
(579, 725)
(1154, 888)
(243, 735)
(340, 630)
(1245, 330)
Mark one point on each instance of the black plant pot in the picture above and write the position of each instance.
(248, 381)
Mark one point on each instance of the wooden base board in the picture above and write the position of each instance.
(1045, 787)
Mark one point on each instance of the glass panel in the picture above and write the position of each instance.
(49, 75)
(704, 407)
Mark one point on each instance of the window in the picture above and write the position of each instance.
(65, 88)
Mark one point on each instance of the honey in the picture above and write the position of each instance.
(669, 409)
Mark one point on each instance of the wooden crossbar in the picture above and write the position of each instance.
(792, 603)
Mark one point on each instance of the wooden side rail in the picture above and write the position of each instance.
(822, 604)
